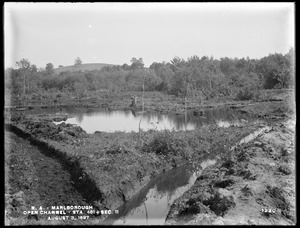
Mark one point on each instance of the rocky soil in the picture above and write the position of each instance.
(34, 179)
(252, 185)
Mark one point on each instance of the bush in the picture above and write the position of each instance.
(246, 94)
(164, 143)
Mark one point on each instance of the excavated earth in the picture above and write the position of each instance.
(48, 165)
(254, 183)
(32, 178)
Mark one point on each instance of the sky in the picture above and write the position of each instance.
(114, 33)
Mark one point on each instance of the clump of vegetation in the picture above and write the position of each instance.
(117, 149)
(245, 94)
(166, 143)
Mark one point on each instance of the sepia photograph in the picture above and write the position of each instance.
(147, 113)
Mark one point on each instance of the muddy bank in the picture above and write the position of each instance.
(254, 184)
(272, 111)
(273, 106)
(125, 164)
(15, 117)
(95, 184)
(155, 101)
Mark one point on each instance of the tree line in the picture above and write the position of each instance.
(204, 78)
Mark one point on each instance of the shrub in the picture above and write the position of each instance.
(246, 93)
(164, 143)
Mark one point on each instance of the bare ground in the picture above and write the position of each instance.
(34, 179)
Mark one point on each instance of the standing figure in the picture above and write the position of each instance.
(133, 101)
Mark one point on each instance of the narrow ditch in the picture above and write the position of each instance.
(150, 206)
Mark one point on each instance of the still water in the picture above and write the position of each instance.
(152, 204)
(127, 121)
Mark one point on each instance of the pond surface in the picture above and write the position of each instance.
(152, 204)
(127, 121)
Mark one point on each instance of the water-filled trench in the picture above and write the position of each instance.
(152, 204)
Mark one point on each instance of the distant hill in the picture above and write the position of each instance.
(82, 67)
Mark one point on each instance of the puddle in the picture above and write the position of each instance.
(127, 121)
(152, 204)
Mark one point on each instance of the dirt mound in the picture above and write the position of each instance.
(66, 133)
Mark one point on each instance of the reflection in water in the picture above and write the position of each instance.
(151, 206)
(121, 121)
(79, 117)
(133, 113)
(127, 121)
(222, 123)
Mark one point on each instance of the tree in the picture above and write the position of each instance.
(177, 63)
(227, 66)
(14, 82)
(134, 80)
(181, 82)
(166, 75)
(33, 68)
(151, 80)
(49, 68)
(24, 70)
(23, 64)
(156, 66)
(290, 76)
(125, 66)
(136, 63)
(275, 69)
(77, 61)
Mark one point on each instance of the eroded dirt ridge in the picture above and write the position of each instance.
(45, 175)
(254, 185)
